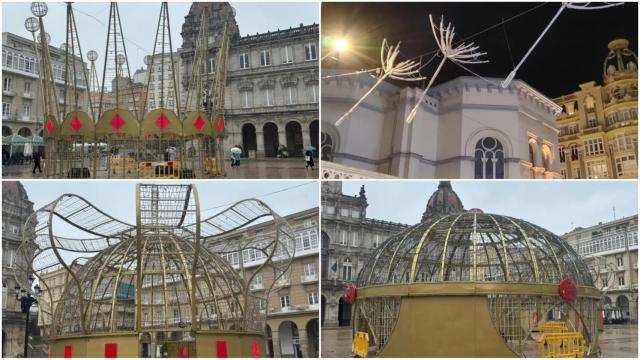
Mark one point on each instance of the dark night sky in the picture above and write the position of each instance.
(571, 53)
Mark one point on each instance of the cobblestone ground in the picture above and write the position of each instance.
(249, 169)
(616, 341)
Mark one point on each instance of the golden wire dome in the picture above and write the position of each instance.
(471, 284)
(474, 246)
(132, 290)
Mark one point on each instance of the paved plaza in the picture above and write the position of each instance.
(619, 341)
(293, 168)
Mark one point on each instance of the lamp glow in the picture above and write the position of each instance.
(340, 45)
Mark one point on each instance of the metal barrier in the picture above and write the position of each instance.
(120, 164)
(553, 327)
(360, 345)
(160, 170)
(566, 344)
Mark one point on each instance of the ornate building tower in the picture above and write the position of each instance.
(16, 207)
(443, 202)
(599, 124)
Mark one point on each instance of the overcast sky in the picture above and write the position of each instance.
(558, 206)
(140, 19)
(117, 198)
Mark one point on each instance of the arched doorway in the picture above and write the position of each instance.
(6, 131)
(145, 345)
(323, 305)
(344, 313)
(269, 341)
(623, 305)
(26, 132)
(248, 139)
(294, 138)
(313, 338)
(314, 133)
(270, 133)
(289, 340)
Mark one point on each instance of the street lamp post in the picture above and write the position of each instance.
(26, 301)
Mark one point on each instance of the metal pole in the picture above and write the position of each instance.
(26, 330)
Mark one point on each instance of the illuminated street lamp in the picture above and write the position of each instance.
(340, 44)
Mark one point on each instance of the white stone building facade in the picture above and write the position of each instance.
(466, 128)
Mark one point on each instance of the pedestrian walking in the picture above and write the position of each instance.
(309, 159)
(36, 162)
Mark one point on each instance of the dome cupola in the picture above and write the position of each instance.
(443, 202)
(620, 62)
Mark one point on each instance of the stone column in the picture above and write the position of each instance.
(306, 137)
(259, 144)
(275, 338)
(282, 136)
(303, 341)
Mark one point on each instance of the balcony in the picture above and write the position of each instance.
(27, 95)
(256, 287)
(621, 287)
(620, 268)
(8, 92)
(283, 283)
(305, 279)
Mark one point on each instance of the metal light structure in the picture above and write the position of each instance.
(407, 70)
(93, 84)
(472, 284)
(459, 53)
(152, 282)
(565, 5)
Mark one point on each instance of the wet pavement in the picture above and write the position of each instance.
(616, 341)
(248, 169)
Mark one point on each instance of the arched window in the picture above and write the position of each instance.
(561, 152)
(489, 159)
(326, 146)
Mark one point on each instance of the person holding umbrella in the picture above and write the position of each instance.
(308, 156)
(235, 156)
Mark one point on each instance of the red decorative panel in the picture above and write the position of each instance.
(170, 163)
(111, 350)
(256, 349)
(220, 125)
(117, 122)
(350, 294)
(76, 124)
(68, 350)
(184, 352)
(221, 349)
(567, 290)
(49, 126)
(199, 123)
(162, 121)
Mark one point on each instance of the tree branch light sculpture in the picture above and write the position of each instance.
(407, 70)
(462, 54)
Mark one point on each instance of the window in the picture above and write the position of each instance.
(313, 92)
(212, 65)
(268, 97)
(620, 261)
(626, 166)
(247, 98)
(343, 237)
(6, 84)
(593, 147)
(346, 270)
(344, 212)
(309, 269)
(284, 302)
(287, 54)
(354, 239)
(291, 95)
(262, 304)
(244, 61)
(576, 173)
(355, 214)
(621, 280)
(257, 281)
(10, 258)
(27, 87)
(561, 152)
(596, 169)
(26, 110)
(376, 241)
(6, 109)
(5, 295)
(313, 298)
(9, 60)
(310, 52)
(563, 172)
(489, 159)
(265, 58)
(331, 210)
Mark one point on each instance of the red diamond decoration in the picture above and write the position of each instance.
(199, 123)
(49, 126)
(76, 124)
(162, 121)
(220, 125)
(120, 135)
(117, 122)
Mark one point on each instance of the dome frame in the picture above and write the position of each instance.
(126, 280)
